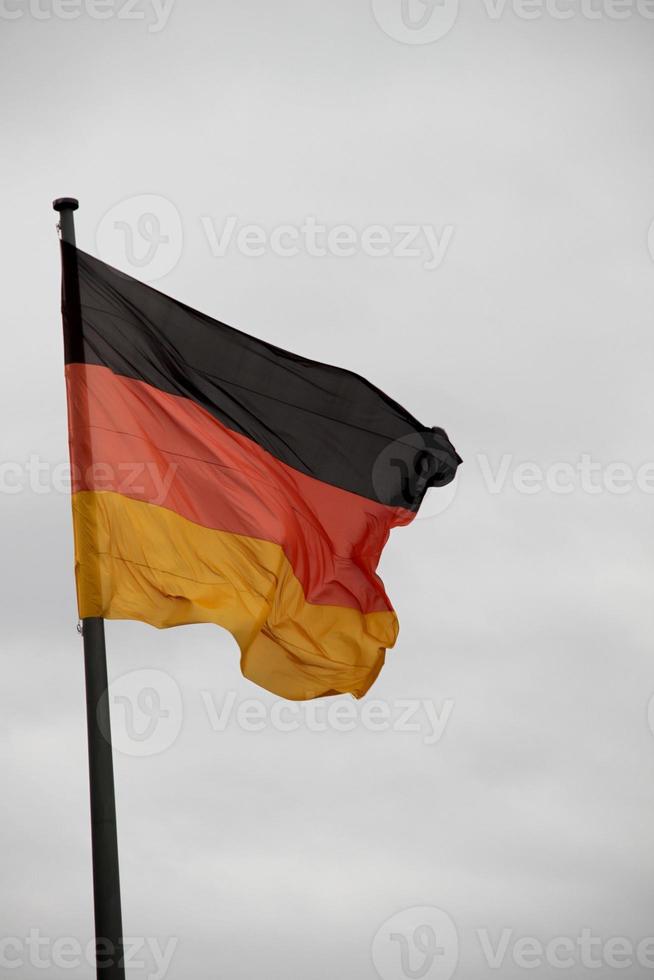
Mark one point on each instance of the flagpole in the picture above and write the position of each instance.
(104, 839)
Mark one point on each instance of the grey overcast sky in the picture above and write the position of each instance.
(515, 143)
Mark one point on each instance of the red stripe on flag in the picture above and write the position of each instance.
(131, 438)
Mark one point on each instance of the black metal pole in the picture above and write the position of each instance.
(104, 839)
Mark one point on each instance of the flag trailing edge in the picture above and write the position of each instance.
(217, 478)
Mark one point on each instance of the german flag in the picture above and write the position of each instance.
(218, 478)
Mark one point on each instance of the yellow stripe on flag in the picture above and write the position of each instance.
(136, 560)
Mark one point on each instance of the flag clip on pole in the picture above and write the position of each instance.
(104, 839)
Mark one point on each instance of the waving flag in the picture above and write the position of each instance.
(218, 478)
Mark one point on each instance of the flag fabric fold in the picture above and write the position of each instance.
(217, 478)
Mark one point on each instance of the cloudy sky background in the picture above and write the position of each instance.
(526, 617)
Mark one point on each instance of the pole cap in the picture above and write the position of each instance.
(65, 204)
